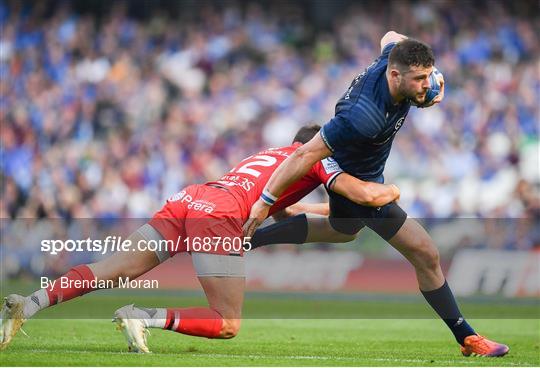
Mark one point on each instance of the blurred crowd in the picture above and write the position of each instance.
(106, 116)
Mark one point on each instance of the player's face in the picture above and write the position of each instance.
(414, 83)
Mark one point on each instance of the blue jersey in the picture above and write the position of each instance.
(360, 134)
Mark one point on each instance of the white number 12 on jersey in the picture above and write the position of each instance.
(262, 160)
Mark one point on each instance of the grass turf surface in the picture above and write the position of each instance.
(278, 342)
(272, 342)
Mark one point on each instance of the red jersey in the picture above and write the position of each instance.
(206, 212)
(247, 180)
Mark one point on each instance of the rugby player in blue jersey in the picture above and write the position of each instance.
(359, 138)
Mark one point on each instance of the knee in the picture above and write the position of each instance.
(230, 328)
(427, 254)
(345, 226)
(129, 271)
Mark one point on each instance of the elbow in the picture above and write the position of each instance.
(300, 153)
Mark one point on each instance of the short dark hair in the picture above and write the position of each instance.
(307, 132)
(411, 52)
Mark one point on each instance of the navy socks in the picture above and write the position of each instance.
(443, 302)
(292, 230)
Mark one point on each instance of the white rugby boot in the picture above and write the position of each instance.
(133, 327)
(12, 318)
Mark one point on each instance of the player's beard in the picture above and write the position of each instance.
(412, 96)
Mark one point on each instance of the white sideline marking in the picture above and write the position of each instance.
(292, 357)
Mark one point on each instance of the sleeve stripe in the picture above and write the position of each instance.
(325, 140)
(368, 113)
(330, 180)
(372, 108)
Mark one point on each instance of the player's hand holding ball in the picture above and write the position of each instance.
(435, 93)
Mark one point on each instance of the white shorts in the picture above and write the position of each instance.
(149, 233)
(205, 264)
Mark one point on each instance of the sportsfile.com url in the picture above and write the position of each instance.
(118, 244)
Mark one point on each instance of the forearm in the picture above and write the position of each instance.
(314, 208)
(363, 192)
(381, 194)
(292, 169)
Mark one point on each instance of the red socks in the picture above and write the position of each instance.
(203, 322)
(74, 283)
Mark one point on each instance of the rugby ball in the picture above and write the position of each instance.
(434, 88)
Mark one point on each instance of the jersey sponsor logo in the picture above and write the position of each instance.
(197, 204)
(357, 79)
(399, 123)
(330, 165)
(202, 205)
(348, 93)
(180, 196)
(236, 180)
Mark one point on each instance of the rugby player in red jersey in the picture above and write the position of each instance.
(214, 214)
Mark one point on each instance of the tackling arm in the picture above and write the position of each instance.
(363, 192)
(321, 209)
(292, 169)
(297, 165)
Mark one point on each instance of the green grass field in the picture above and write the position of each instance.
(382, 340)
(272, 343)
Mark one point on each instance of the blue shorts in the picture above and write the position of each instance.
(348, 217)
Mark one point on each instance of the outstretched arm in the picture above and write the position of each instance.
(292, 169)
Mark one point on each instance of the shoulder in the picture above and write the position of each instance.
(367, 115)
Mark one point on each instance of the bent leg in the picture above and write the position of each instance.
(222, 278)
(76, 282)
(225, 296)
(130, 264)
(416, 245)
(321, 231)
(300, 229)
(220, 320)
